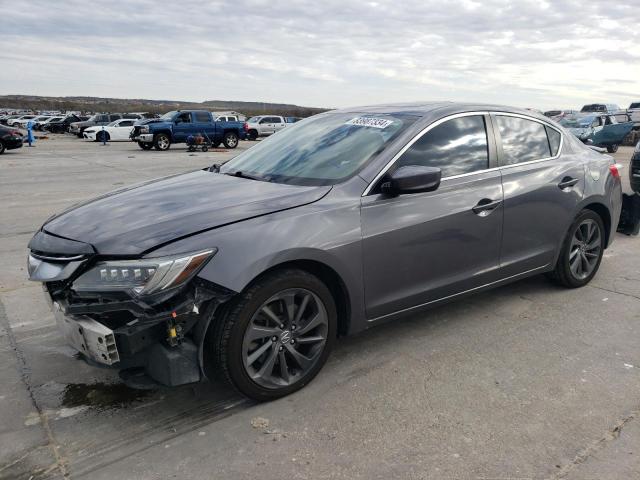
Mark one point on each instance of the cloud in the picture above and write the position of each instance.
(332, 53)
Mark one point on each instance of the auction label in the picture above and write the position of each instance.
(370, 122)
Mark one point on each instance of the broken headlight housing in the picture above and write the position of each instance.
(142, 277)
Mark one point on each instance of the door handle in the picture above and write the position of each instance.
(486, 206)
(567, 182)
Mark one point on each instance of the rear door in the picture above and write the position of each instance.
(204, 124)
(542, 188)
(422, 247)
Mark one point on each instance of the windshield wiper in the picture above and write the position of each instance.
(246, 175)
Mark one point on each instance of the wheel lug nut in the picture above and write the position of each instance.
(281, 348)
(274, 338)
(293, 327)
(292, 341)
(281, 326)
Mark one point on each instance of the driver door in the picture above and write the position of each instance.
(422, 247)
(182, 127)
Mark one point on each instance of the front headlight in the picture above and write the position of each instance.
(144, 276)
(144, 129)
(637, 149)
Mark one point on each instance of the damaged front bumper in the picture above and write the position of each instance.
(160, 334)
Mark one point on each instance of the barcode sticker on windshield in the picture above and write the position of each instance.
(370, 122)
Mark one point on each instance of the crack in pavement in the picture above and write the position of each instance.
(23, 370)
(596, 446)
(630, 295)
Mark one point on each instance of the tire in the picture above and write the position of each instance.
(230, 352)
(205, 148)
(252, 135)
(230, 140)
(79, 134)
(191, 148)
(612, 148)
(145, 146)
(162, 142)
(102, 136)
(575, 250)
(1, 148)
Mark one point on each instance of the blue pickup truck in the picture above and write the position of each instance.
(177, 126)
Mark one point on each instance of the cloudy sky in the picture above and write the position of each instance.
(328, 53)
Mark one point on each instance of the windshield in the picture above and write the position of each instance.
(253, 120)
(594, 108)
(322, 150)
(167, 117)
(634, 105)
(552, 113)
(582, 122)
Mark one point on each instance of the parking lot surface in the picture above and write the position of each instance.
(527, 381)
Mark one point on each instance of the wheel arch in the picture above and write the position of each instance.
(329, 276)
(603, 212)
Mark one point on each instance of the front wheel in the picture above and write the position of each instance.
(230, 140)
(612, 148)
(275, 337)
(581, 252)
(162, 142)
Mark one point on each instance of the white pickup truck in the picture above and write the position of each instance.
(264, 125)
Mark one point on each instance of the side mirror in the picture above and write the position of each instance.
(411, 179)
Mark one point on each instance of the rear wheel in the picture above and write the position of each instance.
(252, 134)
(276, 336)
(582, 251)
(230, 140)
(612, 148)
(1, 147)
(162, 142)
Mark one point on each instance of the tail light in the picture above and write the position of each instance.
(15, 133)
(245, 127)
(615, 169)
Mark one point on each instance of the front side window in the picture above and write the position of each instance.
(184, 118)
(457, 146)
(522, 140)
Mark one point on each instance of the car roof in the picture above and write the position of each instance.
(432, 109)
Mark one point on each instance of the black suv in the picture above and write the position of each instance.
(10, 138)
(62, 126)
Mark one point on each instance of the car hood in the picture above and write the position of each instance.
(135, 220)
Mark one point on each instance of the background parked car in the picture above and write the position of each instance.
(10, 138)
(600, 108)
(176, 126)
(118, 131)
(558, 115)
(264, 125)
(12, 121)
(62, 126)
(39, 125)
(77, 128)
(598, 130)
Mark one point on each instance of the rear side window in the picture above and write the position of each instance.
(126, 123)
(554, 140)
(114, 117)
(522, 140)
(202, 117)
(456, 146)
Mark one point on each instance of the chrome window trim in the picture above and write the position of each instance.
(429, 127)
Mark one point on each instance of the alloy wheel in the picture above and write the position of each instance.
(285, 338)
(586, 247)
